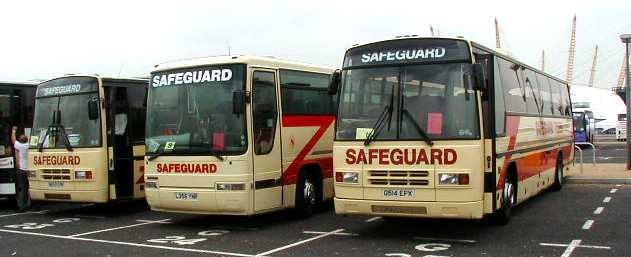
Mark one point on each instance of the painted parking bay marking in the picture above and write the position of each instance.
(569, 248)
(324, 232)
(182, 240)
(300, 242)
(122, 227)
(451, 240)
(34, 225)
(127, 243)
(23, 213)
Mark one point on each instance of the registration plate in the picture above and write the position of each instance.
(398, 192)
(56, 184)
(186, 196)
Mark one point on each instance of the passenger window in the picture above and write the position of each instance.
(500, 109)
(565, 100)
(544, 86)
(531, 90)
(264, 111)
(511, 77)
(305, 93)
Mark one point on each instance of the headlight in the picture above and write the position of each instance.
(347, 177)
(32, 173)
(83, 174)
(453, 179)
(230, 186)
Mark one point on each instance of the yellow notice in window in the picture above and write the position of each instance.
(169, 146)
(34, 140)
(362, 133)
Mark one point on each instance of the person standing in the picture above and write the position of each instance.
(21, 175)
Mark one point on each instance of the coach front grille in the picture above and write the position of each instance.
(419, 178)
(56, 174)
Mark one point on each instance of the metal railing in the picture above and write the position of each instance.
(576, 146)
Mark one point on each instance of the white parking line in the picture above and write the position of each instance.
(373, 219)
(599, 210)
(128, 244)
(155, 221)
(23, 213)
(322, 232)
(581, 246)
(90, 217)
(117, 228)
(607, 199)
(613, 191)
(588, 224)
(573, 245)
(570, 248)
(446, 240)
(300, 242)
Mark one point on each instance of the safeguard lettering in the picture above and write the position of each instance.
(401, 156)
(61, 90)
(191, 77)
(186, 168)
(56, 160)
(402, 55)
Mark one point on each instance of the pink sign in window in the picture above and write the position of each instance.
(219, 141)
(435, 123)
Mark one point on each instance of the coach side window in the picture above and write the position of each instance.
(500, 108)
(544, 91)
(305, 93)
(532, 92)
(555, 96)
(565, 100)
(264, 111)
(513, 89)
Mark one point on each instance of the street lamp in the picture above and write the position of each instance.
(626, 39)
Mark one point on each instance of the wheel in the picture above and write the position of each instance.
(558, 176)
(509, 200)
(306, 195)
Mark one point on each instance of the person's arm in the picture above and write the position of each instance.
(13, 137)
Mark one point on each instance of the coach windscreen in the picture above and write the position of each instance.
(61, 118)
(413, 89)
(190, 111)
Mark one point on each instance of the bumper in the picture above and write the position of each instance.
(452, 210)
(101, 196)
(207, 202)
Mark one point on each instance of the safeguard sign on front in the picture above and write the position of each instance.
(409, 51)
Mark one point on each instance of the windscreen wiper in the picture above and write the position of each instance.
(40, 145)
(424, 135)
(65, 137)
(387, 111)
(217, 155)
(156, 155)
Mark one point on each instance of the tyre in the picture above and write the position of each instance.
(509, 200)
(558, 175)
(306, 195)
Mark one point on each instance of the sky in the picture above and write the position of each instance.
(44, 39)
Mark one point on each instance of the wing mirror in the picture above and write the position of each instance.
(238, 102)
(478, 75)
(334, 82)
(93, 109)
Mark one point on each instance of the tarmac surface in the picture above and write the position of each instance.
(580, 220)
(588, 217)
